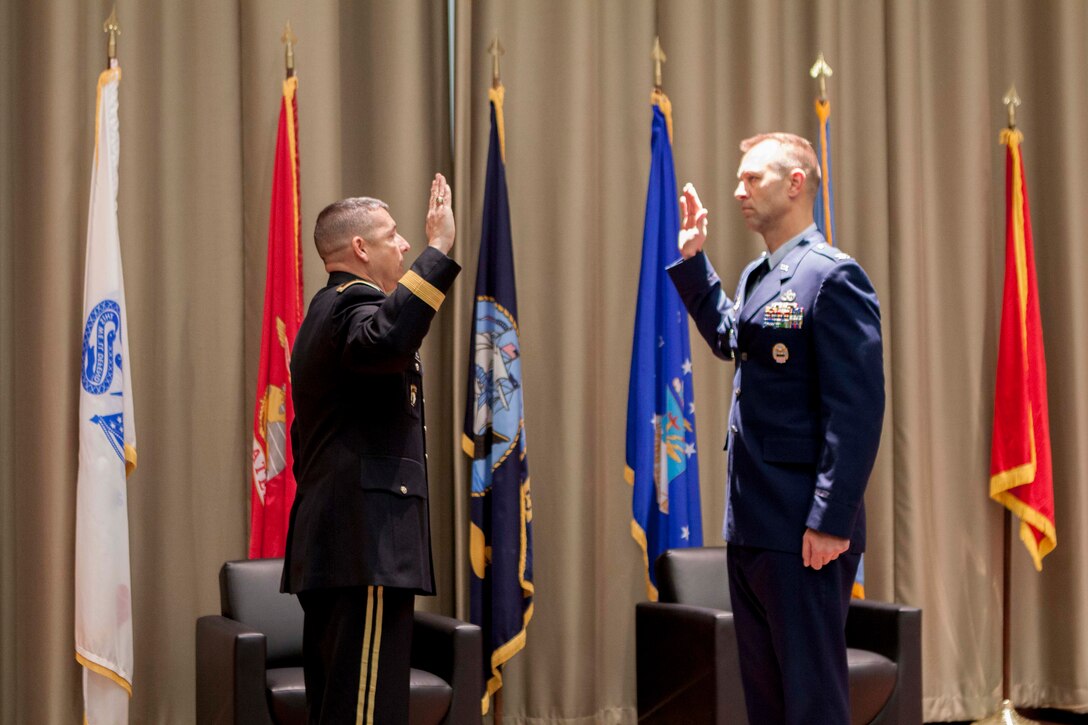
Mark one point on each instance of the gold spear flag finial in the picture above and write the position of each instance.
(1011, 101)
(495, 50)
(821, 71)
(289, 39)
(112, 28)
(658, 56)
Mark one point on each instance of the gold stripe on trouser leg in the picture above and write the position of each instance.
(364, 659)
(377, 658)
(368, 680)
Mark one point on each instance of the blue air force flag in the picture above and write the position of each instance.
(662, 464)
(107, 442)
(501, 531)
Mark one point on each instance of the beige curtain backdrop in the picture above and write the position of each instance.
(919, 200)
(199, 104)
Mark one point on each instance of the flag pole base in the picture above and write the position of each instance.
(1007, 715)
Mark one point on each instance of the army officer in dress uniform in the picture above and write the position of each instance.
(807, 409)
(359, 545)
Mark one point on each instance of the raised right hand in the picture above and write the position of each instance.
(693, 219)
(440, 227)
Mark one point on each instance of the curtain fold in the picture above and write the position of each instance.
(919, 191)
(8, 597)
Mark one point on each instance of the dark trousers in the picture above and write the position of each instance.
(790, 623)
(356, 651)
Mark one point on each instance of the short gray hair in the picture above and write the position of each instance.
(340, 221)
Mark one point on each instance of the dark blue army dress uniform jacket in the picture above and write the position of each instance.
(808, 392)
(360, 515)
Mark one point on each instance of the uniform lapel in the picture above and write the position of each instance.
(771, 285)
(765, 291)
(741, 300)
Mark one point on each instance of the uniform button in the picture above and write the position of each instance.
(404, 489)
(744, 356)
(734, 429)
(737, 392)
(417, 367)
(424, 429)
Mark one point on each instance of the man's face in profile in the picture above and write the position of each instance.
(761, 186)
(385, 250)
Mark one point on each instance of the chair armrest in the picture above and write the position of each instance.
(687, 664)
(880, 626)
(453, 650)
(895, 631)
(230, 673)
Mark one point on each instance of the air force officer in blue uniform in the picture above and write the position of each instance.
(804, 426)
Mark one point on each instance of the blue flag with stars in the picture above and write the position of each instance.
(662, 464)
(501, 511)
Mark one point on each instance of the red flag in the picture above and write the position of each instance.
(273, 483)
(1020, 473)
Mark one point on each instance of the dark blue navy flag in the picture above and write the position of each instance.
(662, 465)
(501, 511)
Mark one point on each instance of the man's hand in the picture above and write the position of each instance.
(439, 226)
(693, 218)
(818, 549)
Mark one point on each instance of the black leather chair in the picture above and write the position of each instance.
(249, 659)
(688, 670)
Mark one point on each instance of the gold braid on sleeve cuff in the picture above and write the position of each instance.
(423, 289)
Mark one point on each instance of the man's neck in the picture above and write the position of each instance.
(790, 228)
(341, 266)
(358, 271)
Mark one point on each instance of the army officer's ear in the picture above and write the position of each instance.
(358, 249)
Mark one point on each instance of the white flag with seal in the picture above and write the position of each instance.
(107, 442)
